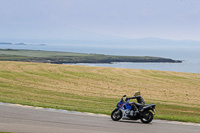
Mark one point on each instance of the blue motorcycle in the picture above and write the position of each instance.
(125, 111)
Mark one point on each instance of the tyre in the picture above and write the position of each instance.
(116, 115)
(147, 117)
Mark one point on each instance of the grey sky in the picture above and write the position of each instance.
(99, 19)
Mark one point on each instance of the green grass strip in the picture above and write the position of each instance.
(100, 105)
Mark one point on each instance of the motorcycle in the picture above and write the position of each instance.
(125, 111)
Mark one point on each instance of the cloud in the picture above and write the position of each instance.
(99, 19)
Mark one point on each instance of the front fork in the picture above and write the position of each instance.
(118, 110)
(154, 111)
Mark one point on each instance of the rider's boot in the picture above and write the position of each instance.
(136, 112)
(131, 113)
(141, 110)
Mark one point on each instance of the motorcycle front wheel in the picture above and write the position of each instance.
(147, 117)
(116, 115)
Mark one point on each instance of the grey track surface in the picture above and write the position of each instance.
(22, 119)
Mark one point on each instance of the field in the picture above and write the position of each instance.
(98, 89)
(67, 57)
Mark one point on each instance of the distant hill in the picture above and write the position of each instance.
(138, 42)
(121, 42)
(5, 43)
(8, 43)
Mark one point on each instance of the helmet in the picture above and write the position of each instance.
(137, 93)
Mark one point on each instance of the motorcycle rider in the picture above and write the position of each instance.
(140, 103)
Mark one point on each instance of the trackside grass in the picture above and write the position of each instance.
(98, 89)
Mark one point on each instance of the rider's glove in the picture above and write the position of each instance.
(126, 99)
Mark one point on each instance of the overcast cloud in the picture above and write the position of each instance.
(99, 19)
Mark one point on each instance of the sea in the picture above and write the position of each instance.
(189, 55)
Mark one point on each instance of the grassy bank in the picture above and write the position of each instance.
(67, 57)
(98, 89)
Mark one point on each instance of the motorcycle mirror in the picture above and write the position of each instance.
(124, 96)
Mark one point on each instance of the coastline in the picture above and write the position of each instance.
(55, 57)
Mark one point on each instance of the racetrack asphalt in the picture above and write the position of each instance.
(25, 119)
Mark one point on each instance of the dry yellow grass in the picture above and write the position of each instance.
(98, 89)
(159, 86)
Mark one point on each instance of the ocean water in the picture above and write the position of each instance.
(189, 55)
(176, 67)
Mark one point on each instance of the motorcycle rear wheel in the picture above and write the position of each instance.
(116, 115)
(148, 117)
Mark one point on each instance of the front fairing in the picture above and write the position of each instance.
(120, 104)
(124, 105)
